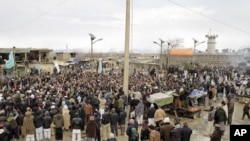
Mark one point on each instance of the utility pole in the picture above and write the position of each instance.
(126, 52)
(161, 46)
(168, 54)
(196, 43)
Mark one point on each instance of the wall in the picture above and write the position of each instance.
(206, 59)
(45, 67)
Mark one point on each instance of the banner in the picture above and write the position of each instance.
(100, 66)
(57, 67)
(10, 62)
(181, 52)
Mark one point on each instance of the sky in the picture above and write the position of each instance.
(66, 24)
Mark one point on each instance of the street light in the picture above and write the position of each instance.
(161, 45)
(196, 43)
(93, 40)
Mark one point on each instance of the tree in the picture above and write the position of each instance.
(176, 43)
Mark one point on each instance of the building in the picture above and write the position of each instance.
(25, 60)
(218, 59)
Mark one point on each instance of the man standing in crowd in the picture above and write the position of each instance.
(210, 120)
(58, 122)
(29, 126)
(217, 134)
(220, 117)
(122, 121)
(82, 115)
(132, 131)
(105, 125)
(88, 110)
(38, 121)
(230, 107)
(76, 125)
(102, 104)
(114, 122)
(13, 125)
(121, 104)
(176, 132)
(139, 111)
(246, 109)
(159, 115)
(150, 114)
(66, 117)
(186, 132)
(165, 129)
(154, 134)
(97, 117)
(91, 129)
(47, 120)
(145, 131)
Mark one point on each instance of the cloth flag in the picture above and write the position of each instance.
(57, 67)
(100, 66)
(10, 62)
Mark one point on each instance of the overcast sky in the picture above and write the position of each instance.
(60, 23)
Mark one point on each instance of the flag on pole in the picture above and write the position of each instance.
(10, 62)
(57, 67)
(100, 66)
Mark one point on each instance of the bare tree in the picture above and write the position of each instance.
(176, 43)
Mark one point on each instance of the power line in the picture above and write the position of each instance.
(211, 18)
(35, 18)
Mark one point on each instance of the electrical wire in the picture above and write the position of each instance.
(211, 18)
(35, 18)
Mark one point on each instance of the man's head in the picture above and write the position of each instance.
(185, 124)
(151, 127)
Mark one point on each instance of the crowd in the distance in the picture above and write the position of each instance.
(36, 107)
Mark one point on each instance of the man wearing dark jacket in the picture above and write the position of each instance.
(220, 117)
(114, 120)
(122, 120)
(47, 120)
(76, 126)
(82, 116)
(38, 122)
(97, 116)
(176, 132)
(186, 133)
(132, 131)
(151, 113)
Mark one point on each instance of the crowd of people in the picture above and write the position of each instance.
(36, 107)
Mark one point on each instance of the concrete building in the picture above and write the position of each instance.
(25, 59)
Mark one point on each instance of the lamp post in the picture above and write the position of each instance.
(93, 40)
(161, 45)
(168, 53)
(196, 43)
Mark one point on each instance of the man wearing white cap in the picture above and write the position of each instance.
(151, 113)
(165, 129)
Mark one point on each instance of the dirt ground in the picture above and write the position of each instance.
(198, 126)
